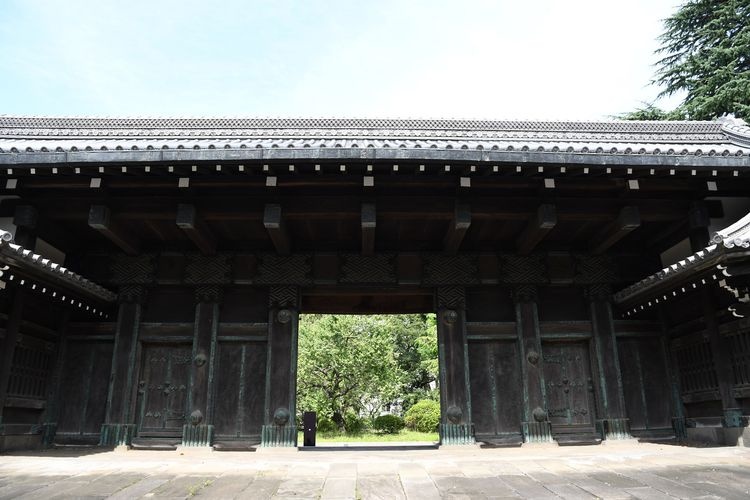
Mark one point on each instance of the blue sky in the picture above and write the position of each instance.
(503, 59)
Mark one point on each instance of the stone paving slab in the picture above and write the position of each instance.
(627, 471)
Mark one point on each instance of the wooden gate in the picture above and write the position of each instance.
(570, 390)
(163, 389)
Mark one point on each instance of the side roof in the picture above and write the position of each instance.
(710, 264)
(42, 271)
(28, 136)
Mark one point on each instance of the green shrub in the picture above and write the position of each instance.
(423, 416)
(354, 424)
(388, 424)
(326, 425)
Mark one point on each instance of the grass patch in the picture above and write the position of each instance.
(373, 437)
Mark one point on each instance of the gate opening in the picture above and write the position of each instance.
(369, 378)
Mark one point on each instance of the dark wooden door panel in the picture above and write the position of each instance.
(163, 389)
(84, 387)
(569, 387)
(645, 383)
(240, 389)
(496, 388)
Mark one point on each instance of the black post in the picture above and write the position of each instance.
(310, 423)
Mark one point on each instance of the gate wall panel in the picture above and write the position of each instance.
(84, 388)
(240, 389)
(496, 387)
(645, 383)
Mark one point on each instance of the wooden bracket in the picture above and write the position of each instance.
(628, 220)
(273, 221)
(537, 229)
(457, 228)
(368, 223)
(100, 218)
(195, 229)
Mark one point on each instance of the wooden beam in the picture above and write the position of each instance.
(457, 228)
(628, 220)
(100, 218)
(273, 221)
(537, 229)
(195, 228)
(368, 228)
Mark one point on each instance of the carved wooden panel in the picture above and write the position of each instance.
(594, 269)
(163, 385)
(240, 389)
(496, 388)
(368, 269)
(84, 387)
(208, 269)
(524, 268)
(132, 269)
(450, 270)
(284, 270)
(645, 383)
(569, 386)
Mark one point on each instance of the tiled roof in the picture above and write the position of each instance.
(733, 238)
(18, 257)
(37, 134)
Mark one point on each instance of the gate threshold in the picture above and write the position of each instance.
(354, 446)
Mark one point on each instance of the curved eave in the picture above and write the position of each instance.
(659, 287)
(34, 266)
(373, 154)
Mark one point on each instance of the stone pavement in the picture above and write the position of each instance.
(628, 470)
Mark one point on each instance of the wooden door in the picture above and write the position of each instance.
(646, 386)
(163, 389)
(569, 387)
(496, 390)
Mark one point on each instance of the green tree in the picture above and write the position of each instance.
(705, 51)
(362, 364)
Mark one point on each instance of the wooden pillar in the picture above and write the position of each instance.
(536, 425)
(198, 431)
(722, 359)
(280, 427)
(12, 335)
(699, 221)
(455, 399)
(678, 408)
(51, 410)
(118, 427)
(614, 421)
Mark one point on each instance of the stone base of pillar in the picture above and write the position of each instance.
(537, 432)
(456, 434)
(117, 434)
(195, 436)
(49, 430)
(276, 436)
(733, 418)
(615, 429)
(679, 424)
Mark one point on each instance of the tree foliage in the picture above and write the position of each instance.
(705, 52)
(424, 416)
(362, 364)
